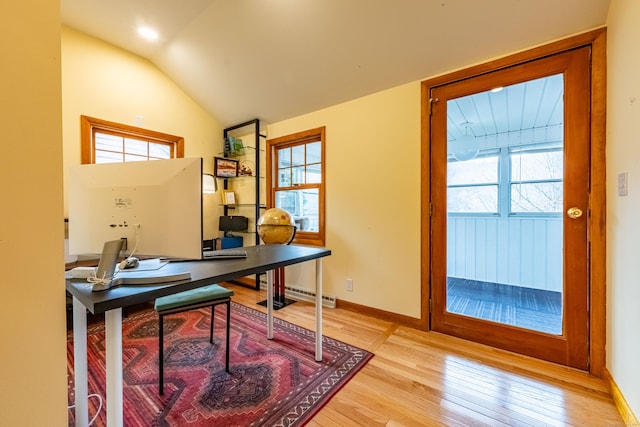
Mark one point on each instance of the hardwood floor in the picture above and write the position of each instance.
(421, 378)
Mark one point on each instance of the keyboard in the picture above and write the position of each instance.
(224, 254)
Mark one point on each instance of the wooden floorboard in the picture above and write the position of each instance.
(419, 378)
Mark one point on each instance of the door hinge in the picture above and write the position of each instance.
(430, 210)
(431, 102)
(430, 305)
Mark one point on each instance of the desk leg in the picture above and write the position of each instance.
(319, 310)
(113, 338)
(80, 376)
(270, 304)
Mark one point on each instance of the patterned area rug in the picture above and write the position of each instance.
(272, 382)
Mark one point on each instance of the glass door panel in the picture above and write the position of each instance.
(505, 156)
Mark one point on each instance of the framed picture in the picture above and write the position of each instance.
(228, 197)
(225, 168)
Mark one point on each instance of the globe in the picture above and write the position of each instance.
(276, 226)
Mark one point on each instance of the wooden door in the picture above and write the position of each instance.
(490, 182)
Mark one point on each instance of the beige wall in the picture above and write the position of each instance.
(373, 175)
(373, 199)
(102, 81)
(32, 319)
(623, 232)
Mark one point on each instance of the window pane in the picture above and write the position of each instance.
(481, 170)
(297, 175)
(476, 199)
(108, 157)
(297, 155)
(314, 174)
(314, 152)
(537, 166)
(284, 177)
(303, 205)
(161, 151)
(284, 157)
(537, 197)
(286, 200)
(135, 146)
(134, 158)
(105, 141)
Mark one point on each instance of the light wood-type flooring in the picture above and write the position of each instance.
(419, 378)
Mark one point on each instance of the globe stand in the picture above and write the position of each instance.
(277, 305)
(279, 300)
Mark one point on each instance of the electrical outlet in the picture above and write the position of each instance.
(623, 179)
(349, 285)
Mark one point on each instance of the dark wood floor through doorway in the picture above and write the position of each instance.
(529, 308)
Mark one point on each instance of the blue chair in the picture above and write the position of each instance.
(206, 296)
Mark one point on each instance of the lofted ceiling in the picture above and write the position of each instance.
(277, 59)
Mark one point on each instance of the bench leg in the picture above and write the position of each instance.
(213, 316)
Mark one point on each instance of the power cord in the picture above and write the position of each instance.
(133, 251)
(105, 281)
(97, 412)
(93, 279)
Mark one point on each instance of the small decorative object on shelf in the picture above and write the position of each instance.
(225, 168)
(233, 146)
(246, 168)
(228, 197)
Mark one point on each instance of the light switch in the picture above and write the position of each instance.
(622, 183)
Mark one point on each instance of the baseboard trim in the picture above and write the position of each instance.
(628, 417)
(400, 319)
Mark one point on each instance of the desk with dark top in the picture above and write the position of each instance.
(260, 259)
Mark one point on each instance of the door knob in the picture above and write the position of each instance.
(574, 213)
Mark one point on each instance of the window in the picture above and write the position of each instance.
(473, 185)
(107, 142)
(536, 181)
(295, 181)
(525, 180)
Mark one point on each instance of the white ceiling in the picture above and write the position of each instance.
(276, 59)
(535, 105)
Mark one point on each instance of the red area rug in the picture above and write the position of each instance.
(271, 382)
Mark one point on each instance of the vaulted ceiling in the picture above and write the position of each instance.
(277, 59)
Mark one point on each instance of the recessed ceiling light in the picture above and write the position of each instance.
(148, 33)
(497, 89)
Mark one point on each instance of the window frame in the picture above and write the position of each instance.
(287, 141)
(90, 125)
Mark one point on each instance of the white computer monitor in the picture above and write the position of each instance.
(156, 205)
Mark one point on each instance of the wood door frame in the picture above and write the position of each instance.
(596, 39)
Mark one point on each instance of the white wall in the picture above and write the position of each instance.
(623, 231)
(102, 81)
(515, 251)
(373, 199)
(32, 319)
